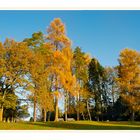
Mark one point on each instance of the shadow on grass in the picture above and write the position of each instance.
(74, 126)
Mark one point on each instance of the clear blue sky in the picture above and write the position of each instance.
(101, 33)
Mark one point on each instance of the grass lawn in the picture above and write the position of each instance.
(80, 125)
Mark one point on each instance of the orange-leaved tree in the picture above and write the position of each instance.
(15, 58)
(60, 68)
(129, 79)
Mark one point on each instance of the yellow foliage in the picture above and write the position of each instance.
(129, 77)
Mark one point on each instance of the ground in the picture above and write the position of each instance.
(75, 125)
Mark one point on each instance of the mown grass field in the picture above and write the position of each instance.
(80, 125)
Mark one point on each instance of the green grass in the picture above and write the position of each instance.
(80, 125)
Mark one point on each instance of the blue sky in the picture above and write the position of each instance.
(101, 33)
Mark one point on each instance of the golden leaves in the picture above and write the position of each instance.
(62, 55)
(15, 58)
(56, 93)
(129, 76)
(57, 25)
(57, 35)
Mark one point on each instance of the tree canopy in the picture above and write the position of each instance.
(43, 70)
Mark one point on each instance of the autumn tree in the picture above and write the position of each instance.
(87, 99)
(80, 69)
(44, 96)
(34, 43)
(60, 68)
(39, 77)
(44, 91)
(15, 58)
(34, 75)
(9, 104)
(129, 79)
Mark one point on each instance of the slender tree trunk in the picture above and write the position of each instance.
(44, 115)
(133, 116)
(49, 115)
(101, 109)
(88, 111)
(113, 99)
(4, 119)
(66, 116)
(8, 120)
(78, 115)
(78, 108)
(83, 116)
(56, 109)
(113, 105)
(98, 118)
(1, 109)
(12, 119)
(34, 108)
(66, 107)
(56, 100)
(1, 114)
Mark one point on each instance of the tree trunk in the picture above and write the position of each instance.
(78, 115)
(98, 118)
(66, 105)
(83, 116)
(44, 115)
(4, 119)
(88, 111)
(49, 115)
(12, 119)
(133, 116)
(78, 108)
(56, 98)
(113, 99)
(1, 109)
(1, 114)
(34, 108)
(56, 109)
(8, 120)
(101, 115)
(66, 116)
